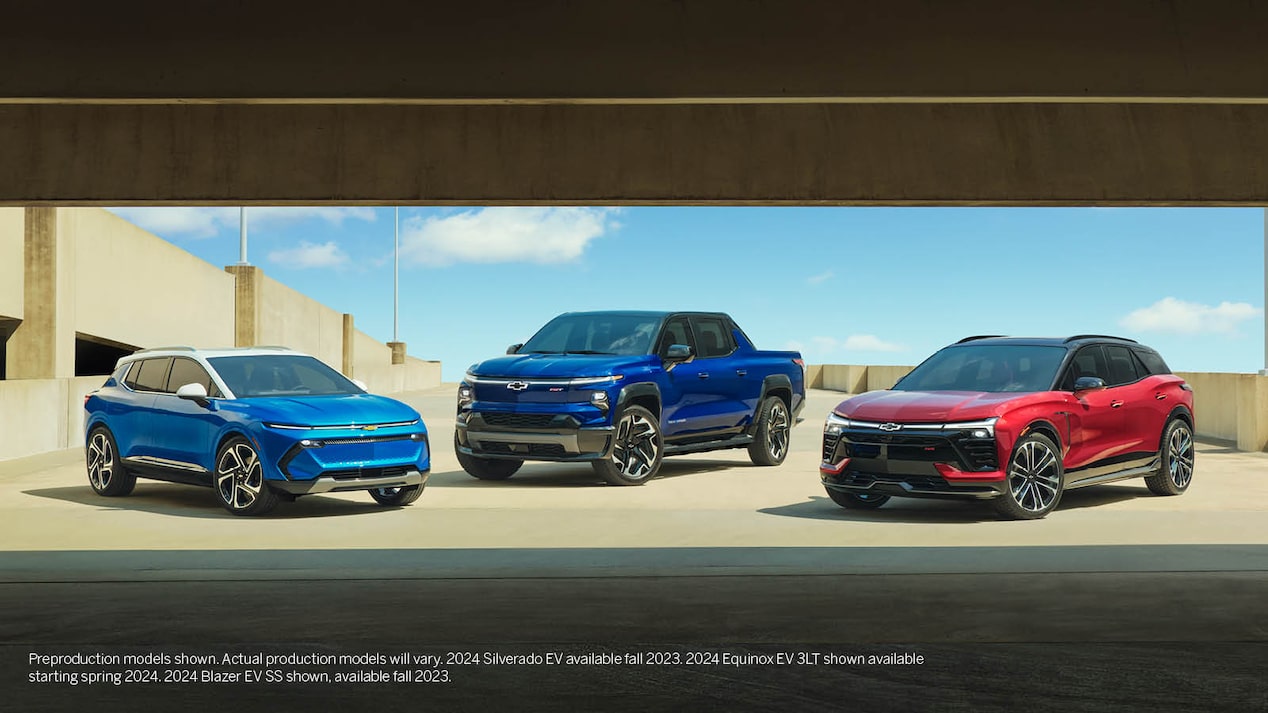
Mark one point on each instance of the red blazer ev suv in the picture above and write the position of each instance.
(1016, 421)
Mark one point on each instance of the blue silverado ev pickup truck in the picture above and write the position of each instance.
(624, 389)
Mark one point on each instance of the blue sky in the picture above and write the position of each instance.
(843, 285)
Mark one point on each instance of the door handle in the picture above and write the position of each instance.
(1160, 396)
(703, 375)
(1116, 404)
(741, 372)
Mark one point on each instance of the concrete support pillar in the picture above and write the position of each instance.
(1264, 372)
(246, 304)
(43, 345)
(349, 345)
(398, 352)
(1252, 413)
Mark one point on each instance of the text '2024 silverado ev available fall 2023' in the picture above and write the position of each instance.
(624, 389)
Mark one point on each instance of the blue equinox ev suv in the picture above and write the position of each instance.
(257, 425)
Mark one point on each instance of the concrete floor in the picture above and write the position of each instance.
(1119, 600)
(705, 500)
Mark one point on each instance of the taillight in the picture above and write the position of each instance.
(800, 362)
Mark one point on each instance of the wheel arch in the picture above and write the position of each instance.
(1047, 428)
(1180, 412)
(645, 394)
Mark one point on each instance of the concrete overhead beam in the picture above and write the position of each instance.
(658, 50)
(848, 154)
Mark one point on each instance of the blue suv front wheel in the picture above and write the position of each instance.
(239, 479)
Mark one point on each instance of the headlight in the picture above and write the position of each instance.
(588, 380)
(464, 395)
(835, 424)
(977, 429)
(288, 427)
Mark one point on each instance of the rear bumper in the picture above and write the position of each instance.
(351, 482)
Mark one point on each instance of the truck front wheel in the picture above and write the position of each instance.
(637, 449)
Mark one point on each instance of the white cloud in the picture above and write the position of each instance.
(1172, 315)
(537, 235)
(820, 278)
(207, 222)
(310, 255)
(822, 349)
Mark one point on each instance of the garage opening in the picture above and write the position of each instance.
(95, 356)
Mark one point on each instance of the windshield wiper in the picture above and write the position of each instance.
(587, 351)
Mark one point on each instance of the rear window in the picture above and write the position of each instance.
(1152, 361)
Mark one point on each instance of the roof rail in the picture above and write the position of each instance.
(979, 336)
(270, 346)
(1099, 336)
(179, 348)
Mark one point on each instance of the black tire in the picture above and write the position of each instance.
(637, 450)
(1176, 451)
(771, 437)
(857, 501)
(239, 479)
(397, 496)
(1034, 478)
(485, 468)
(106, 472)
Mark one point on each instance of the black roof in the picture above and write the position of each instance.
(1076, 340)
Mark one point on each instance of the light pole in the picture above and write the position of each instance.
(242, 236)
(396, 274)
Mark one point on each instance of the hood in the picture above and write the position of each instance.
(559, 366)
(925, 406)
(334, 410)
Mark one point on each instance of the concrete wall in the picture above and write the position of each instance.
(289, 318)
(133, 287)
(1230, 407)
(11, 226)
(38, 415)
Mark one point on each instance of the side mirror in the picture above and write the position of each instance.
(193, 392)
(513, 349)
(361, 385)
(1088, 383)
(678, 352)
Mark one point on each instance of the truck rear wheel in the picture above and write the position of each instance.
(774, 426)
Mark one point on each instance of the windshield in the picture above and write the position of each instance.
(625, 334)
(986, 367)
(280, 375)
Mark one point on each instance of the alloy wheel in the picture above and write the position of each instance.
(637, 446)
(1180, 457)
(239, 477)
(1034, 477)
(777, 431)
(100, 461)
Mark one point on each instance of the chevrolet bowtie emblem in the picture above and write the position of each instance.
(369, 428)
(517, 386)
(889, 426)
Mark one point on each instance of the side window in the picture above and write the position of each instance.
(188, 371)
(150, 374)
(1089, 361)
(129, 374)
(713, 339)
(1122, 366)
(675, 333)
(1152, 362)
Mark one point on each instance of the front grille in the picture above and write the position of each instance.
(981, 453)
(363, 439)
(547, 450)
(396, 471)
(830, 441)
(526, 420)
(916, 482)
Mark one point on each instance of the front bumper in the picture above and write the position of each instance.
(916, 463)
(478, 438)
(351, 480)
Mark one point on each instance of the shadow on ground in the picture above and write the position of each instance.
(196, 502)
